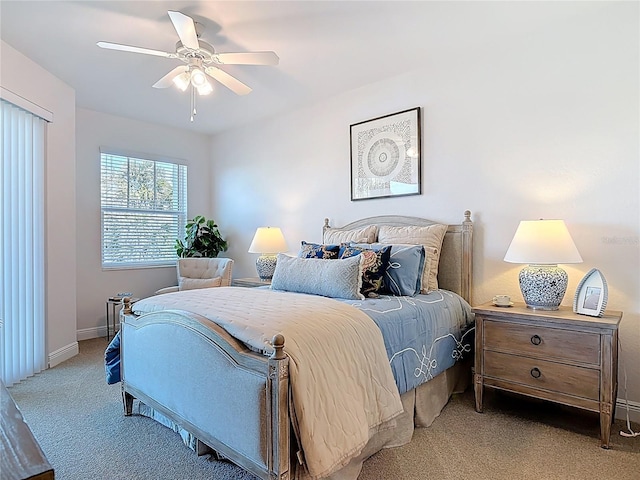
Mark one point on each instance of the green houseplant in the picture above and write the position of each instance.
(202, 239)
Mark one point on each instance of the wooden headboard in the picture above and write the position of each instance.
(456, 257)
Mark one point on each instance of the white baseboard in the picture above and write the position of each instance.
(634, 410)
(63, 354)
(89, 333)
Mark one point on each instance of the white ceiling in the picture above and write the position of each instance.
(325, 48)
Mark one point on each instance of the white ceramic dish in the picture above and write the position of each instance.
(510, 304)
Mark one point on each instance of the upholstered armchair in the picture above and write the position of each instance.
(201, 273)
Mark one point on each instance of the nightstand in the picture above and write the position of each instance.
(115, 303)
(250, 282)
(556, 355)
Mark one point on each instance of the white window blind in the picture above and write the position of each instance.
(144, 210)
(22, 313)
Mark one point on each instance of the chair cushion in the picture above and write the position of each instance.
(206, 268)
(185, 283)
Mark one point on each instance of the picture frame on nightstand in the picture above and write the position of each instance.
(591, 295)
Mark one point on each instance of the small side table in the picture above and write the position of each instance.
(250, 282)
(112, 310)
(555, 355)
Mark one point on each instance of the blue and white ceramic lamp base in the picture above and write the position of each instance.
(543, 286)
(266, 265)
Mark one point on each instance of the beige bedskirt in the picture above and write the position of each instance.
(421, 407)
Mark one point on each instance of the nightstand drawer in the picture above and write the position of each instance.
(556, 377)
(542, 342)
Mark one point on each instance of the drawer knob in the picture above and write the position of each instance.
(536, 340)
(535, 372)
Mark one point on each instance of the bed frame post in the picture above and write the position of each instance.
(467, 254)
(278, 422)
(127, 398)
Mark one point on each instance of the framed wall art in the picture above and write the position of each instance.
(591, 294)
(386, 156)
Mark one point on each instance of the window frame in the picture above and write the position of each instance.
(180, 213)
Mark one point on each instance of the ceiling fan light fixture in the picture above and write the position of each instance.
(198, 78)
(182, 81)
(205, 89)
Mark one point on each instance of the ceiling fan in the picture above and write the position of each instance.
(201, 61)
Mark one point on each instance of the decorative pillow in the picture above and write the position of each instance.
(316, 250)
(360, 235)
(404, 271)
(430, 237)
(335, 279)
(185, 283)
(374, 266)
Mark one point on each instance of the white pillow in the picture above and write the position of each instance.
(341, 278)
(185, 283)
(336, 236)
(430, 237)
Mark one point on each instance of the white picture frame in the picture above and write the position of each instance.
(591, 295)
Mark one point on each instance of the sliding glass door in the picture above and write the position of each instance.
(22, 312)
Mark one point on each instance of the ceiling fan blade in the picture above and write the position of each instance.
(186, 29)
(167, 80)
(228, 81)
(248, 58)
(129, 48)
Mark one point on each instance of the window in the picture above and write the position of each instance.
(144, 210)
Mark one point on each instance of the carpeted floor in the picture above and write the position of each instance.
(79, 422)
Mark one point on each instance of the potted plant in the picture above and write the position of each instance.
(202, 239)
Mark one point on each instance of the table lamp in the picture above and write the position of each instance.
(543, 244)
(268, 242)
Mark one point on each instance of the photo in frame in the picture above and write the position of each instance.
(386, 156)
(591, 295)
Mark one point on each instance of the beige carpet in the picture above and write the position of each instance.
(78, 420)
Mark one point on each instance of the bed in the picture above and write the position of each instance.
(289, 383)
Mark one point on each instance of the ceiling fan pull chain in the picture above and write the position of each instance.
(193, 102)
(195, 97)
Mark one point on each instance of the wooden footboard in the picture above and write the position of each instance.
(230, 398)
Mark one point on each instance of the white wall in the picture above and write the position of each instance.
(25, 78)
(93, 130)
(542, 124)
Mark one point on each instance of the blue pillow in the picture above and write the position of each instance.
(315, 250)
(404, 272)
(335, 279)
(403, 275)
(374, 266)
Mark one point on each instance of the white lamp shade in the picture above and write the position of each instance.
(182, 81)
(205, 89)
(198, 78)
(268, 240)
(542, 242)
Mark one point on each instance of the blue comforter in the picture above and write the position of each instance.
(112, 360)
(424, 335)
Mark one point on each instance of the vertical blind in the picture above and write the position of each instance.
(144, 210)
(22, 314)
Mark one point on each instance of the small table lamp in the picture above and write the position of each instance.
(542, 244)
(268, 241)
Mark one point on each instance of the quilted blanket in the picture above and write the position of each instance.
(342, 384)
